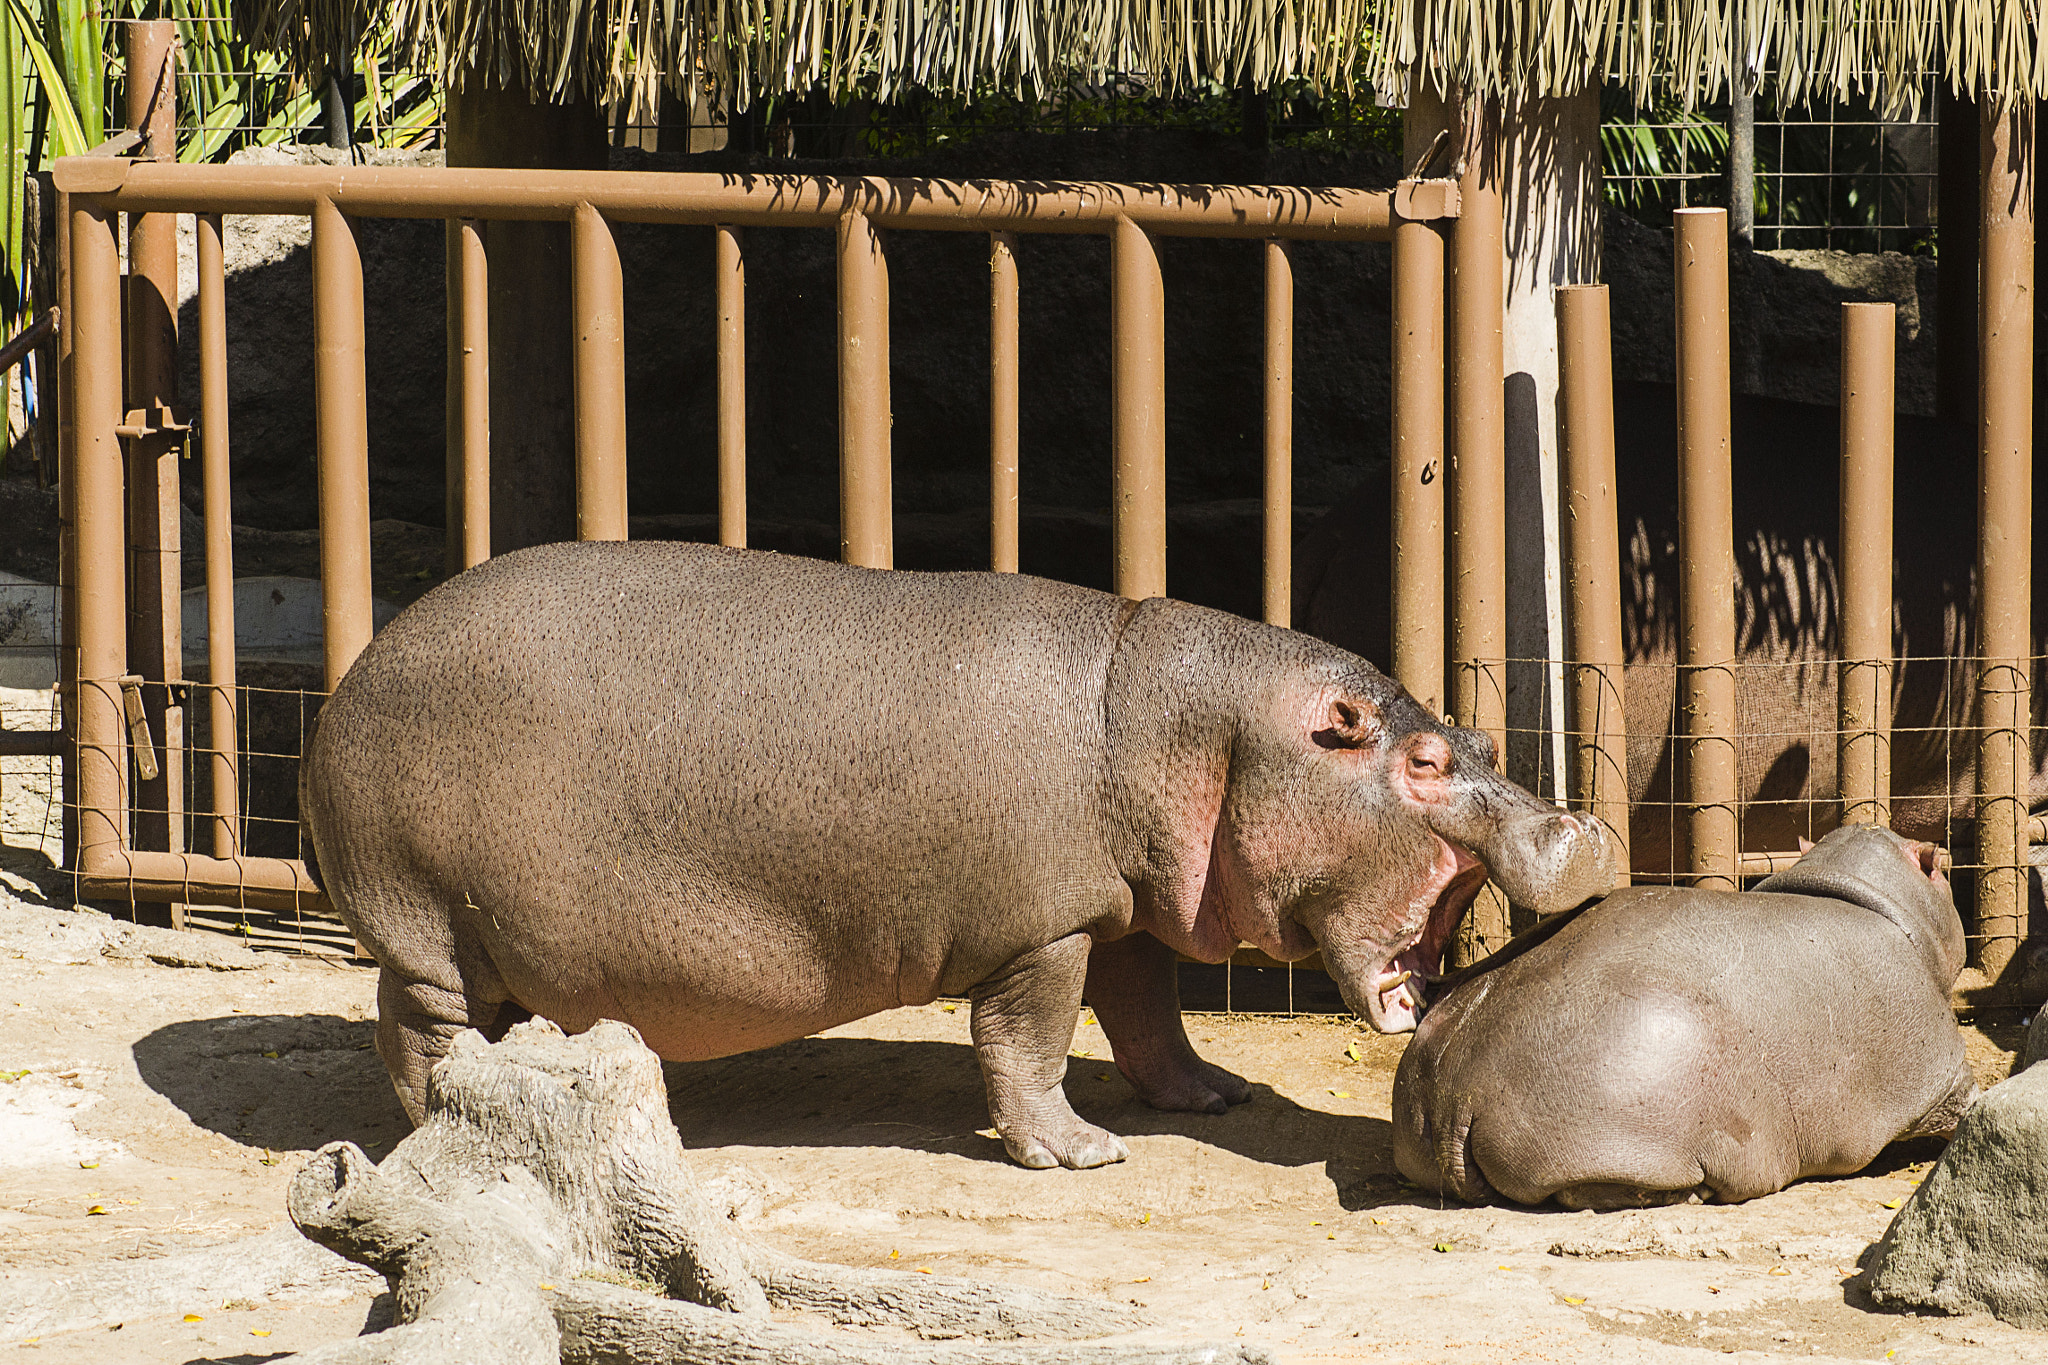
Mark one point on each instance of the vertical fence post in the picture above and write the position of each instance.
(731, 269)
(600, 318)
(343, 439)
(68, 695)
(1585, 393)
(1137, 349)
(451, 397)
(94, 326)
(468, 401)
(474, 331)
(1002, 402)
(1476, 468)
(1418, 495)
(1863, 760)
(1279, 592)
(1478, 448)
(866, 495)
(1706, 549)
(220, 539)
(2005, 437)
(155, 626)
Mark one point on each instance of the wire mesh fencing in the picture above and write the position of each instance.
(1832, 176)
(1787, 734)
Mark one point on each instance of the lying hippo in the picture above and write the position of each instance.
(734, 798)
(1665, 1043)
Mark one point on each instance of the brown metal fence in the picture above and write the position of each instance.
(123, 434)
(1716, 825)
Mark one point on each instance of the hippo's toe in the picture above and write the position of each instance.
(1078, 1148)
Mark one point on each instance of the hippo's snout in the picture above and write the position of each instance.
(1551, 861)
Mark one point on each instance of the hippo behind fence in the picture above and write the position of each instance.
(1666, 1042)
(735, 798)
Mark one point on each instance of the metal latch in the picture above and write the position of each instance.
(162, 420)
(138, 727)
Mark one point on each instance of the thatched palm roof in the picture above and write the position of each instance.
(609, 49)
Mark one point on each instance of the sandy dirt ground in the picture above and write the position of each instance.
(146, 1109)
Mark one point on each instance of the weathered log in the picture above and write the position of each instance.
(547, 1182)
(604, 1324)
(933, 1306)
(279, 1264)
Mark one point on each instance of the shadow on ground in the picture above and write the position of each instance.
(927, 1096)
(281, 1082)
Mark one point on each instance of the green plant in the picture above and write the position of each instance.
(1642, 148)
(61, 71)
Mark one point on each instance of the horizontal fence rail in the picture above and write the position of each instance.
(705, 198)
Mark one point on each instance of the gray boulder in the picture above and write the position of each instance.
(1974, 1236)
(2036, 1046)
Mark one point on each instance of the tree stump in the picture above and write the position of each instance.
(544, 1211)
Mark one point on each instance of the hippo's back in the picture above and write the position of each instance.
(596, 770)
(1668, 1041)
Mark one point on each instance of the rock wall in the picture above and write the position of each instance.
(939, 373)
(1785, 334)
(1785, 329)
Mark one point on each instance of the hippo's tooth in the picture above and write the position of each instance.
(1390, 979)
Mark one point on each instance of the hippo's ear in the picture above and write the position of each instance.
(1353, 724)
(1928, 857)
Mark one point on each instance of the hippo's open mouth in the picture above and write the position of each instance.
(1400, 988)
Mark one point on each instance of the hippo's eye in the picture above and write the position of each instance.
(1430, 758)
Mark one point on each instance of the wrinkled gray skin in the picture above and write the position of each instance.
(1665, 1043)
(734, 798)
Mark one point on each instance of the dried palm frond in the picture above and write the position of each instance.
(609, 50)
(1819, 50)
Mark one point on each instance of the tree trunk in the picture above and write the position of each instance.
(533, 399)
(544, 1211)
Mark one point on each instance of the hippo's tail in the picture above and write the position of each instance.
(1461, 1176)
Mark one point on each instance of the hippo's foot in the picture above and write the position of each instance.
(1182, 1082)
(1078, 1145)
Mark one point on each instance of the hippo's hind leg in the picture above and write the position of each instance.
(417, 1022)
(1023, 1024)
(1134, 989)
(1940, 1120)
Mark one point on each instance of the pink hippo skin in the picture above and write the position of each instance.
(734, 798)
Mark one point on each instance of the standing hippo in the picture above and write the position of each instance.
(1666, 1042)
(734, 798)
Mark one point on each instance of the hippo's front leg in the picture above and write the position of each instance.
(1134, 989)
(1023, 1025)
